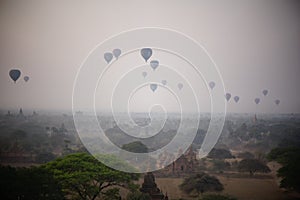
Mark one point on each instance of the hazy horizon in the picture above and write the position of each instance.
(255, 45)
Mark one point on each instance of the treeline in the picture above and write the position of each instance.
(75, 176)
(289, 158)
(19, 146)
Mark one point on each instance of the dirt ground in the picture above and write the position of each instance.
(241, 188)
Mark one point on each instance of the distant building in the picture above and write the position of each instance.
(34, 113)
(8, 113)
(21, 112)
(254, 119)
(186, 163)
(149, 186)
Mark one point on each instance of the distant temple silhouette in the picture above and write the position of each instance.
(21, 112)
(254, 119)
(149, 186)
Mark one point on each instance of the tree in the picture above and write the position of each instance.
(84, 177)
(135, 147)
(221, 165)
(28, 183)
(112, 194)
(220, 154)
(19, 134)
(289, 158)
(252, 166)
(201, 183)
(44, 157)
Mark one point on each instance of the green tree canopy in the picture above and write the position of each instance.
(84, 177)
(201, 183)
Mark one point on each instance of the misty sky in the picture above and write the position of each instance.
(256, 45)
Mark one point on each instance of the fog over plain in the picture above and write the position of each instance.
(255, 45)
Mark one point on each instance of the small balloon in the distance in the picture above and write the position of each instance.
(15, 74)
(26, 78)
(108, 57)
(212, 84)
(146, 53)
(153, 87)
(277, 102)
(144, 74)
(154, 64)
(265, 92)
(227, 96)
(180, 86)
(257, 100)
(117, 53)
(236, 99)
(164, 82)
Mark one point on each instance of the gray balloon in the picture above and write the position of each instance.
(154, 64)
(108, 57)
(146, 53)
(180, 86)
(257, 100)
(26, 78)
(277, 101)
(117, 53)
(153, 87)
(212, 84)
(236, 99)
(227, 96)
(15, 74)
(144, 74)
(265, 92)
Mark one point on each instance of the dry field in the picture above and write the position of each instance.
(241, 188)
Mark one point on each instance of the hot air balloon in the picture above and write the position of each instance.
(236, 99)
(154, 64)
(212, 84)
(265, 92)
(277, 101)
(144, 74)
(26, 78)
(153, 87)
(15, 74)
(108, 57)
(227, 96)
(257, 100)
(117, 53)
(164, 82)
(180, 86)
(146, 53)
